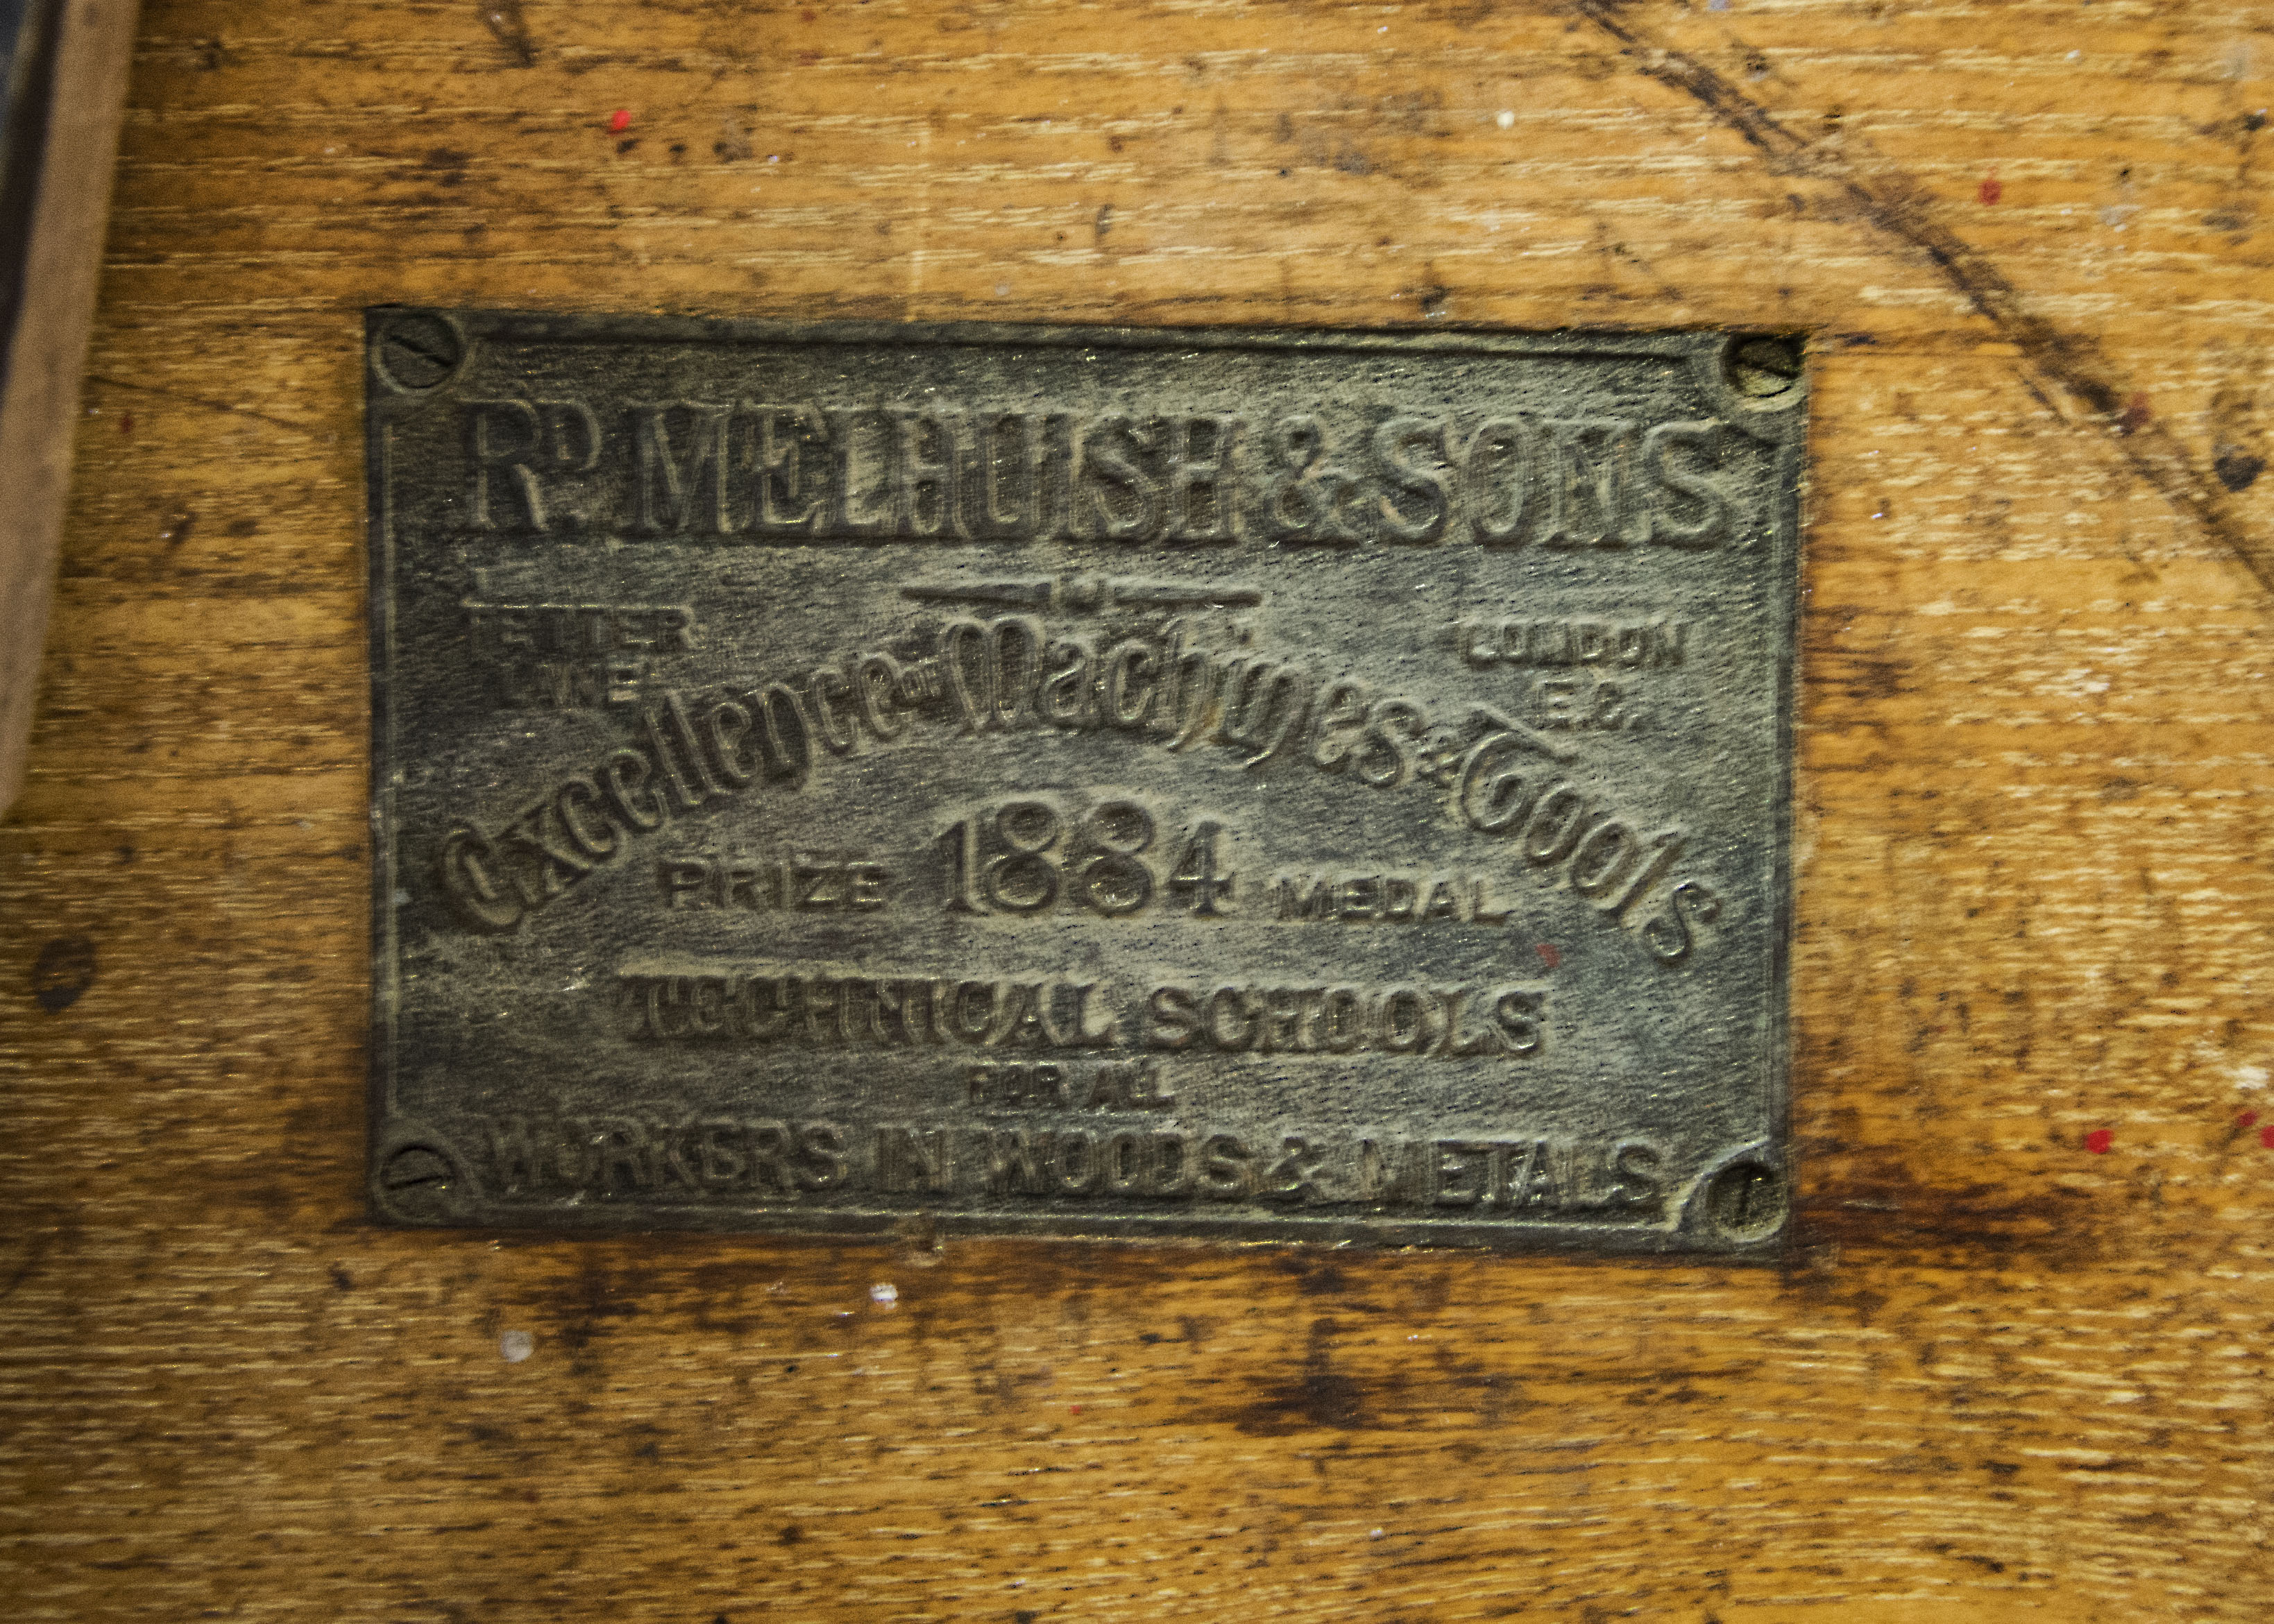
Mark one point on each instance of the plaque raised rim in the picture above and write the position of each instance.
(1738, 1206)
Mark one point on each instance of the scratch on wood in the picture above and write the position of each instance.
(922, 144)
(504, 21)
(199, 400)
(34, 1256)
(2073, 363)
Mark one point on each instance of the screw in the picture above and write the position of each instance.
(419, 352)
(415, 1184)
(1746, 1201)
(1765, 367)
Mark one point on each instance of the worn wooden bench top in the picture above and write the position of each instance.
(2015, 1367)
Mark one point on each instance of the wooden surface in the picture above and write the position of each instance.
(45, 333)
(2003, 1377)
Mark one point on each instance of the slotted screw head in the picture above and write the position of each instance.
(416, 1183)
(1746, 1201)
(1765, 365)
(419, 352)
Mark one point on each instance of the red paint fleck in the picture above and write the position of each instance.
(1076, 1409)
(2098, 1140)
(2266, 1136)
(1548, 956)
(2135, 413)
(1991, 190)
(2246, 1117)
(620, 121)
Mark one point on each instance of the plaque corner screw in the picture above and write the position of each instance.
(416, 1184)
(417, 351)
(1765, 364)
(1747, 1200)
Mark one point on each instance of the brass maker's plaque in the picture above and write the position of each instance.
(1274, 784)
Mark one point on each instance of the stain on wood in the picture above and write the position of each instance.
(2015, 1366)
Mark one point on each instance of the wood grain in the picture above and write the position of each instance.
(74, 143)
(2000, 1378)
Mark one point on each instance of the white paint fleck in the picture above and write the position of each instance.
(1376, 1533)
(514, 1346)
(1507, 119)
(885, 1294)
(2250, 1077)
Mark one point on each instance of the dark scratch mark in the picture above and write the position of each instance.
(504, 19)
(36, 1256)
(1620, 252)
(2072, 362)
(2236, 470)
(199, 400)
(65, 970)
(1321, 1396)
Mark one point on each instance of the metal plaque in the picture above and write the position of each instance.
(1038, 780)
